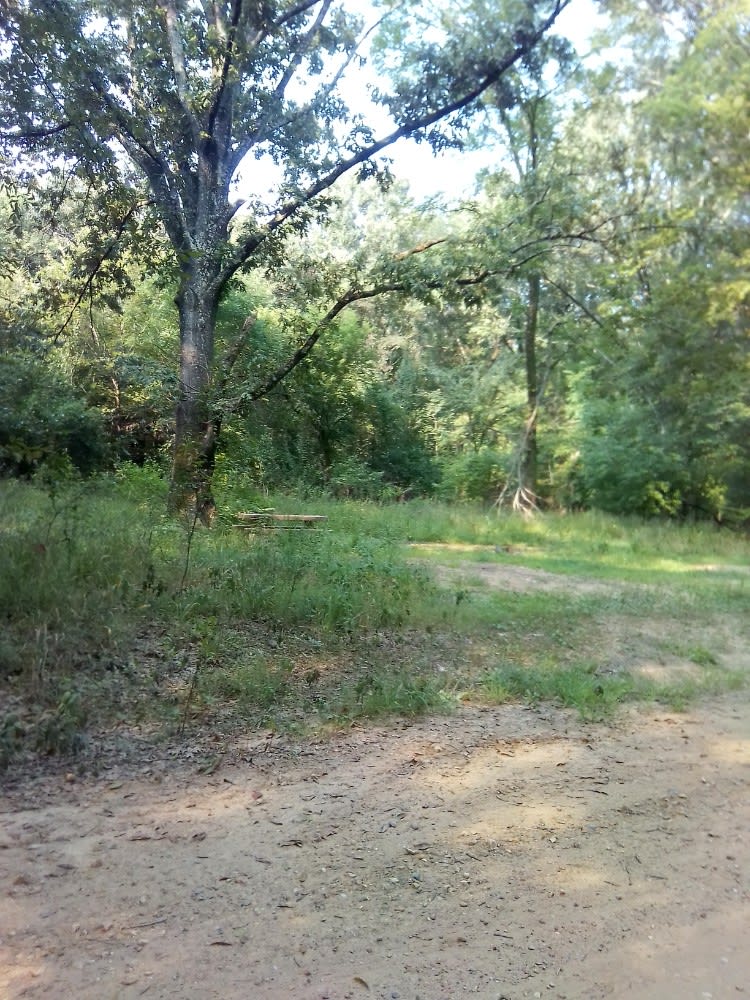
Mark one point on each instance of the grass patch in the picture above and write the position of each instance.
(593, 696)
(596, 695)
(598, 546)
(108, 614)
(387, 693)
(252, 687)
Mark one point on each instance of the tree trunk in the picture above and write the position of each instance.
(528, 475)
(197, 425)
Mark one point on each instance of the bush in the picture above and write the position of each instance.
(474, 475)
(42, 420)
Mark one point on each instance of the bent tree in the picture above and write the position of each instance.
(173, 99)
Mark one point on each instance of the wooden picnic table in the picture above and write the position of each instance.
(269, 519)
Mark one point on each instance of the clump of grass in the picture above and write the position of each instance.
(595, 695)
(702, 656)
(386, 693)
(58, 728)
(252, 686)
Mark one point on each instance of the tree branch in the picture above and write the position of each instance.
(233, 353)
(263, 131)
(229, 40)
(87, 286)
(349, 297)
(293, 12)
(418, 124)
(572, 298)
(29, 135)
(176, 51)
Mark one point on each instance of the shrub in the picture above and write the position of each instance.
(42, 420)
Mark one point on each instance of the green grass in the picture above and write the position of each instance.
(115, 613)
(388, 692)
(594, 695)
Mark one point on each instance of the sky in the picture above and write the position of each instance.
(452, 174)
(449, 175)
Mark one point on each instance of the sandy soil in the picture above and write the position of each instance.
(497, 853)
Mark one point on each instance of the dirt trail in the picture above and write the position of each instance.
(499, 853)
(502, 852)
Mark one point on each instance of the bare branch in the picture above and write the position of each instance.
(420, 249)
(576, 302)
(293, 12)
(153, 164)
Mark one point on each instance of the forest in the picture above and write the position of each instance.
(220, 294)
(568, 330)
(374, 499)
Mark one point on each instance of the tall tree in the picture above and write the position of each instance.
(666, 409)
(172, 98)
(537, 220)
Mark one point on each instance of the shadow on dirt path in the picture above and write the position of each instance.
(501, 852)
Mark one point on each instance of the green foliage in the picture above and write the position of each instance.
(352, 478)
(621, 382)
(386, 693)
(474, 475)
(336, 424)
(630, 466)
(665, 406)
(43, 421)
(12, 738)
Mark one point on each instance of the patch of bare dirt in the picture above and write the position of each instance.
(504, 576)
(519, 578)
(499, 853)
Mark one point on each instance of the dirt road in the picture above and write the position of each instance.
(501, 852)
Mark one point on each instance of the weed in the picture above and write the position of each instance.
(12, 738)
(702, 657)
(61, 730)
(381, 693)
(253, 685)
(596, 695)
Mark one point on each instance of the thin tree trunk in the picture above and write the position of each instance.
(528, 475)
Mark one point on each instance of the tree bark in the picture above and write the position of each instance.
(197, 426)
(528, 475)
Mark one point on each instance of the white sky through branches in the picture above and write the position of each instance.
(449, 175)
